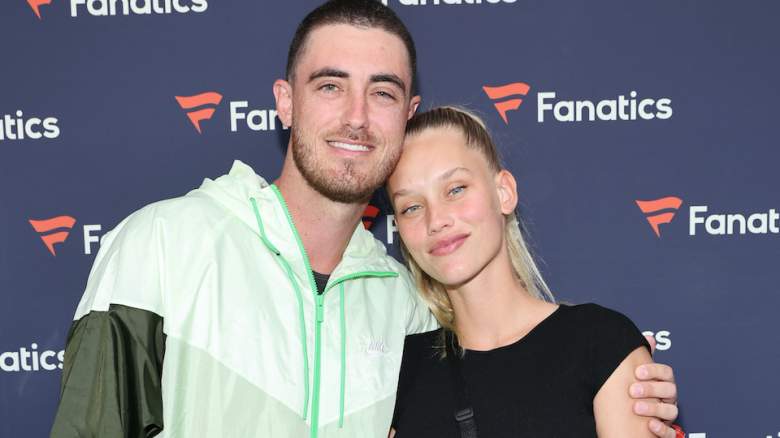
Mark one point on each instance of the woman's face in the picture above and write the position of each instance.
(449, 205)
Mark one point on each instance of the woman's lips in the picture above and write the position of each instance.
(448, 245)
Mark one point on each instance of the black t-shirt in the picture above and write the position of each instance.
(540, 386)
(321, 280)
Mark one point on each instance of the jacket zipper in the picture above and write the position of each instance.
(319, 300)
(320, 317)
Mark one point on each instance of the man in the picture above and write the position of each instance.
(245, 309)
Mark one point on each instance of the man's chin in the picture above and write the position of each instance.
(347, 197)
(344, 193)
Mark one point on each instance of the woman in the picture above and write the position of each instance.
(508, 362)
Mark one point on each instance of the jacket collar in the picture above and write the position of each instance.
(235, 190)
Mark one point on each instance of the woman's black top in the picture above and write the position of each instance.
(540, 386)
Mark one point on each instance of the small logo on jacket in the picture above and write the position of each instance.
(192, 102)
(376, 347)
(504, 91)
(657, 211)
(54, 230)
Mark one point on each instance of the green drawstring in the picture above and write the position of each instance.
(343, 323)
(300, 307)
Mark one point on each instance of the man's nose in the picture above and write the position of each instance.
(356, 115)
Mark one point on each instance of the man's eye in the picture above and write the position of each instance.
(385, 94)
(329, 87)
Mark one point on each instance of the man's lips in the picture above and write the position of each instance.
(448, 245)
(350, 146)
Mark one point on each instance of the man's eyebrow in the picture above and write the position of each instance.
(389, 77)
(328, 72)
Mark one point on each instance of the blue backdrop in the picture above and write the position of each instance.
(597, 106)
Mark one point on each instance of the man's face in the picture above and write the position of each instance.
(350, 100)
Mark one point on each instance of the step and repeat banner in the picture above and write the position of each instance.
(642, 134)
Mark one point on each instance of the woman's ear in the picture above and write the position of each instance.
(506, 187)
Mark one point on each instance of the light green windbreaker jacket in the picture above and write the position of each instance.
(201, 318)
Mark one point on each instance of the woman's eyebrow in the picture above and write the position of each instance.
(443, 176)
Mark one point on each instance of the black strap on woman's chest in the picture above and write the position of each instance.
(464, 413)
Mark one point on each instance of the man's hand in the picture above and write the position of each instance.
(656, 395)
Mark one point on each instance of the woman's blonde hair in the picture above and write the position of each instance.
(477, 137)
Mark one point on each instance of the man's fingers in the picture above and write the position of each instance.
(655, 371)
(659, 410)
(656, 382)
(661, 430)
(666, 391)
(651, 341)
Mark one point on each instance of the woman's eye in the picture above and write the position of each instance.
(410, 209)
(457, 190)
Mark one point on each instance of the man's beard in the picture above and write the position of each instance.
(348, 185)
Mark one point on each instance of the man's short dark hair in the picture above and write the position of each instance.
(360, 13)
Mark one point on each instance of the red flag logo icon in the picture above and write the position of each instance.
(369, 216)
(657, 211)
(507, 91)
(36, 5)
(199, 100)
(54, 230)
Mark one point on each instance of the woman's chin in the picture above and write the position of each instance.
(454, 277)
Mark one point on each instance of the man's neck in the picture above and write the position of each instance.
(325, 226)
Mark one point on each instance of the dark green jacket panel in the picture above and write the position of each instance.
(111, 381)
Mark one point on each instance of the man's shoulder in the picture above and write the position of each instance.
(179, 213)
(215, 199)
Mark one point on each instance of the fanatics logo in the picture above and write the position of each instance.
(105, 8)
(31, 359)
(657, 211)
(36, 4)
(504, 91)
(50, 226)
(25, 127)
(199, 100)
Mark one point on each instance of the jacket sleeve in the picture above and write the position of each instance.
(111, 382)
(419, 318)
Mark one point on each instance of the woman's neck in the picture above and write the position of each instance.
(493, 309)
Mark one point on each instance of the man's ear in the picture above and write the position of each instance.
(506, 187)
(284, 101)
(413, 104)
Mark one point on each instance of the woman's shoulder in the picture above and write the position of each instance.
(595, 316)
(607, 335)
(421, 342)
